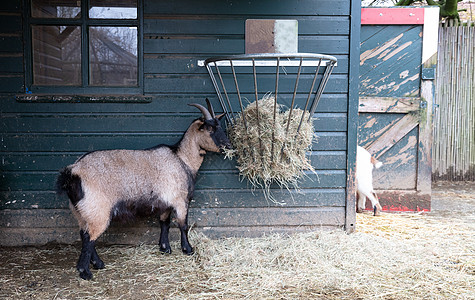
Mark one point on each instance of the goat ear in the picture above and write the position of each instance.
(200, 123)
(220, 116)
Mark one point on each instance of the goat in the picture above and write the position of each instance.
(125, 184)
(364, 180)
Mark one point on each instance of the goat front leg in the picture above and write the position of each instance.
(164, 230)
(182, 218)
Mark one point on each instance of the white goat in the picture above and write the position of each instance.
(364, 180)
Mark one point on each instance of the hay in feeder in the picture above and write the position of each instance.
(271, 149)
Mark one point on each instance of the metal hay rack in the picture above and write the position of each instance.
(296, 80)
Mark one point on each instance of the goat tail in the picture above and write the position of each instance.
(70, 184)
(377, 164)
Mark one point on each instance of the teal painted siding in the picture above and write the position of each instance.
(37, 139)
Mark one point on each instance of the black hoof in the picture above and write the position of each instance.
(97, 265)
(85, 274)
(188, 251)
(165, 250)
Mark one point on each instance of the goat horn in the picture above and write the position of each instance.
(210, 108)
(203, 110)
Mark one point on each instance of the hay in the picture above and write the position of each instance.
(395, 256)
(271, 151)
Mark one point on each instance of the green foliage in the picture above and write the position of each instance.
(448, 8)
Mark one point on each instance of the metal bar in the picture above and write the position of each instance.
(268, 63)
(218, 92)
(251, 57)
(326, 76)
(308, 98)
(225, 92)
(275, 107)
(239, 95)
(257, 108)
(292, 105)
(293, 96)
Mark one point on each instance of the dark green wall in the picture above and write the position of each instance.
(37, 139)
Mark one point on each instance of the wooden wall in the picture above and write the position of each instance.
(37, 139)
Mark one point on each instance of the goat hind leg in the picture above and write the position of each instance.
(361, 202)
(164, 229)
(88, 247)
(375, 203)
(96, 261)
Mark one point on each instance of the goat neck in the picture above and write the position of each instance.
(189, 150)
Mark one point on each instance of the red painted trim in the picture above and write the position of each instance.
(394, 16)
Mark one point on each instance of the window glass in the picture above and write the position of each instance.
(56, 55)
(113, 56)
(70, 9)
(113, 9)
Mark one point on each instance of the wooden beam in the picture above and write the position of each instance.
(392, 15)
(389, 104)
(393, 135)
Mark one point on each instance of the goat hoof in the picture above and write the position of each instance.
(165, 250)
(85, 274)
(377, 210)
(359, 210)
(188, 251)
(97, 265)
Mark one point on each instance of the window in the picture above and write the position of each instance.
(84, 46)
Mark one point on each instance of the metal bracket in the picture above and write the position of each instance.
(423, 104)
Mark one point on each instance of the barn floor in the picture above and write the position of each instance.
(395, 256)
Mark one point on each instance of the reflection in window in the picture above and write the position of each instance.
(113, 56)
(56, 55)
(56, 9)
(113, 9)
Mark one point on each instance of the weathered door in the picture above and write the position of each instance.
(396, 101)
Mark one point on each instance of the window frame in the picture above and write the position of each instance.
(84, 22)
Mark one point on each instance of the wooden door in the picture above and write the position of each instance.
(395, 107)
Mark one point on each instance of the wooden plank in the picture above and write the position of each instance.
(81, 142)
(262, 8)
(186, 64)
(35, 98)
(51, 161)
(217, 45)
(234, 25)
(392, 15)
(17, 200)
(11, 44)
(11, 237)
(399, 170)
(393, 135)
(390, 62)
(11, 23)
(166, 104)
(350, 210)
(200, 217)
(11, 64)
(266, 83)
(11, 83)
(389, 104)
(11, 6)
(223, 179)
(133, 123)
